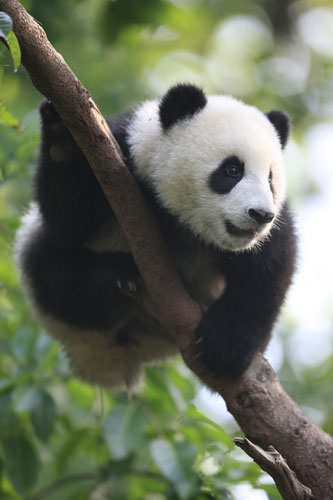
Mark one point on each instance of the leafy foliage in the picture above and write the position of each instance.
(60, 438)
(6, 118)
(8, 38)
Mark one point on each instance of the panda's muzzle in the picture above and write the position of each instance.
(236, 231)
(261, 217)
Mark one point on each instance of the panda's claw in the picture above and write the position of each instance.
(132, 284)
(198, 341)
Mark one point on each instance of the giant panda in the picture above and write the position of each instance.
(211, 168)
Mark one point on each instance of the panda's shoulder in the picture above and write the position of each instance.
(119, 126)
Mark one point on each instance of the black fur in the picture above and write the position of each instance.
(73, 205)
(180, 102)
(70, 281)
(227, 175)
(79, 286)
(281, 122)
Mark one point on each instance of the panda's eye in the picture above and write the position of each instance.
(232, 170)
(227, 175)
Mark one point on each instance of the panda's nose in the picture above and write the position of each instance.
(261, 216)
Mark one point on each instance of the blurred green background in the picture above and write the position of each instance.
(62, 439)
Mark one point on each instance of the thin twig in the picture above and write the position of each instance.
(276, 466)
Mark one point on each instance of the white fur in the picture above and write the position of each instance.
(31, 224)
(179, 162)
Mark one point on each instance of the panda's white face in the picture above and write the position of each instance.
(219, 171)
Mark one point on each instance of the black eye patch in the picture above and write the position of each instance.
(227, 175)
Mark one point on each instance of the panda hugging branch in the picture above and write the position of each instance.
(212, 171)
(72, 255)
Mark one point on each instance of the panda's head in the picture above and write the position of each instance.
(214, 162)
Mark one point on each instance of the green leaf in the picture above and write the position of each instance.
(83, 394)
(123, 429)
(6, 25)
(6, 414)
(170, 462)
(14, 49)
(6, 118)
(23, 343)
(43, 414)
(21, 463)
(187, 455)
(220, 434)
(166, 459)
(24, 397)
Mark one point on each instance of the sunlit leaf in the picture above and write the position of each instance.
(21, 463)
(6, 118)
(82, 394)
(14, 49)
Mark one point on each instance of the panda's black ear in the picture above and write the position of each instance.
(180, 102)
(281, 123)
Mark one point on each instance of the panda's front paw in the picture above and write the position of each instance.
(128, 278)
(47, 108)
(217, 350)
(48, 112)
(132, 284)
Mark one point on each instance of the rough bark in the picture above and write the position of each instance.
(264, 411)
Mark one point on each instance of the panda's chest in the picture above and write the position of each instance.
(200, 273)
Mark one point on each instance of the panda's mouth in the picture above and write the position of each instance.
(236, 231)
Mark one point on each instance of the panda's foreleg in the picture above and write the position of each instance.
(227, 339)
(70, 199)
(239, 324)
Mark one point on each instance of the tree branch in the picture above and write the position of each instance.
(263, 410)
(275, 465)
